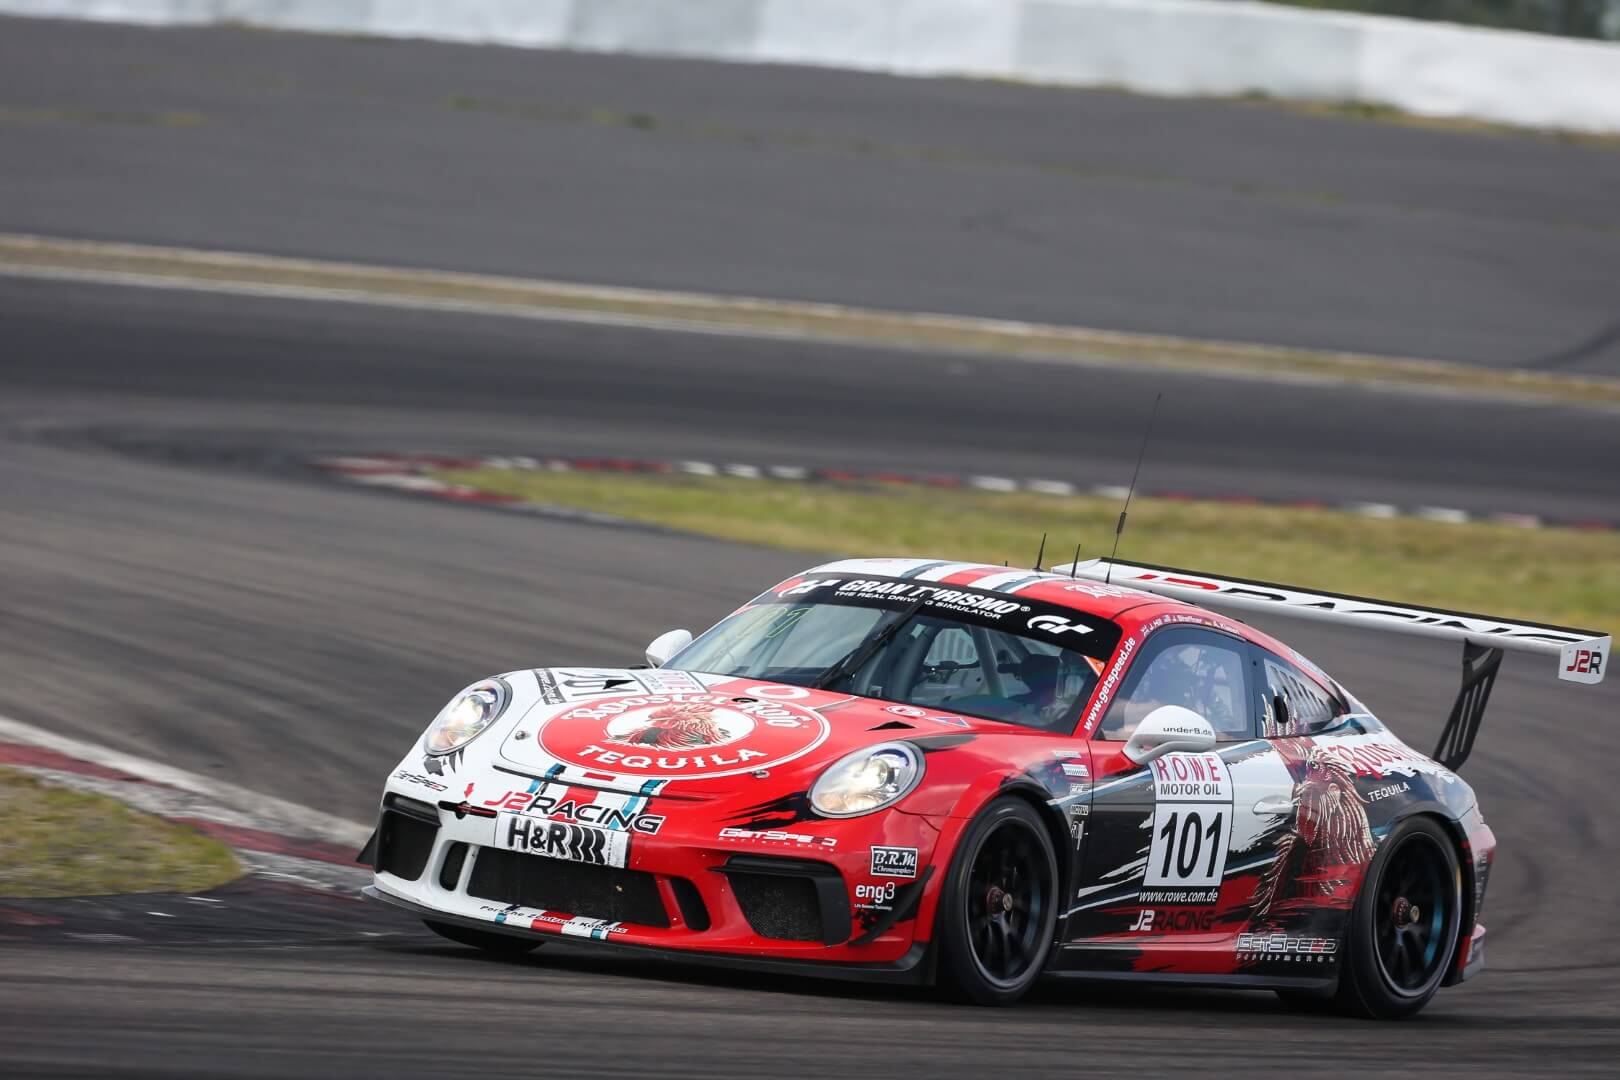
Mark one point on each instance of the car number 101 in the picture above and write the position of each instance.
(1189, 844)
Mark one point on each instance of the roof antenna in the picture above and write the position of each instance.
(1041, 554)
(1119, 529)
(1074, 567)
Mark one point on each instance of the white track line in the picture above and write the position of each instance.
(269, 813)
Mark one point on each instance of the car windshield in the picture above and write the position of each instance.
(924, 645)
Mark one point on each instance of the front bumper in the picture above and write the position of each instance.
(914, 968)
(803, 896)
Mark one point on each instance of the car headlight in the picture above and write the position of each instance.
(468, 713)
(867, 780)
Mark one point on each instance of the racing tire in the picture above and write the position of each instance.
(494, 944)
(1404, 926)
(998, 906)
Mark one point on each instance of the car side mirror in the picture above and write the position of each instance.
(667, 645)
(1169, 728)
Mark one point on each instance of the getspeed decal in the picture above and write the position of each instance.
(682, 736)
(1105, 691)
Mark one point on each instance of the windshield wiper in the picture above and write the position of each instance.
(857, 657)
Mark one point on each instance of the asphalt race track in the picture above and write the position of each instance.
(1097, 209)
(177, 584)
(174, 583)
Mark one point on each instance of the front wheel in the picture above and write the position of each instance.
(1404, 928)
(999, 906)
(494, 944)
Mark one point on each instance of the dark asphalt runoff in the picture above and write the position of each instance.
(244, 374)
(1207, 219)
(225, 613)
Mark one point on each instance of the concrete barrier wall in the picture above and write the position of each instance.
(1178, 47)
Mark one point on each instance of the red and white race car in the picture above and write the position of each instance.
(915, 770)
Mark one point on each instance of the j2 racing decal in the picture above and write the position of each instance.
(589, 813)
(1172, 920)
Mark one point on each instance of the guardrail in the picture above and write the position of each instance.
(1175, 47)
(1565, 18)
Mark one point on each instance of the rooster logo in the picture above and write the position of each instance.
(680, 726)
(1330, 843)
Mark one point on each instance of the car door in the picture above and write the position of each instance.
(1159, 836)
(1316, 844)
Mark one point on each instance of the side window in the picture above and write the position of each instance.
(1197, 669)
(1291, 702)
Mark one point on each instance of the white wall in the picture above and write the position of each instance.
(1180, 47)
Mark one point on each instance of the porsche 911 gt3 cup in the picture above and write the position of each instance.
(910, 770)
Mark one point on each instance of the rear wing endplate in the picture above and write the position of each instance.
(1582, 656)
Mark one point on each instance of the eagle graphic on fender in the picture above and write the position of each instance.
(1330, 843)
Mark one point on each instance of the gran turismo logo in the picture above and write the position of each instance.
(1057, 624)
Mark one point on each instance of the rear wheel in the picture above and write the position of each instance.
(495, 944)
(1404, 927)
(999, 906)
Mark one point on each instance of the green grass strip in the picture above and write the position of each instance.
(1565, 576)
(56, 841)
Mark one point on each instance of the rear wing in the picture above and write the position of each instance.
(1582, 656)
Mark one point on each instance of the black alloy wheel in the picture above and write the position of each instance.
(1411, 914)
(1405, 925)
(997, 915)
